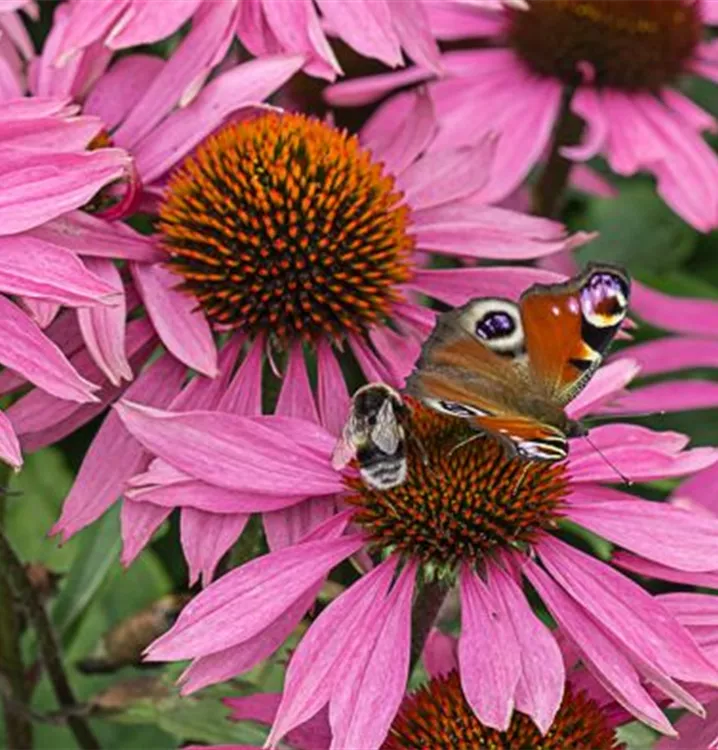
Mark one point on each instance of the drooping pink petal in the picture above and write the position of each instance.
(644, 567)
(397, 351)
(88, 235)
(398, 141)
(144, 23)
(90, 22)
(489, 654)
(43, 313)
(694, 731)
(244, 85)
(412, 27)
(332, 392)
(244, 394)
(254, 454)
(103, 328)
(235, 660)
(700, 489)
(365, 26)
(39, 187)
(612, 598)
(688, 541)
(205, 538)
(31, 354)
(114, 455)
(313, 671)
(285, 524)
(35, 268)
(439, 654)
(539, 691)
(364, 703)
(606, 662)
(680, 314)
(443, 176)
(138, 521)
(242, 603)
(360, 91)
(9, 445)
(184, 330)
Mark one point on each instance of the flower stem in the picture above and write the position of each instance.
(19, 585)
(549, 190)
(18, 728)
(426, 608)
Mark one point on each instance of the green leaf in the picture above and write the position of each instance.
(637, 230)
(637, 736)
(98, 549)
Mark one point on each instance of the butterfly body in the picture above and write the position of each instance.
(511, 369)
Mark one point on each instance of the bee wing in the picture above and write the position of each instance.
(344, 450)
(386, 433)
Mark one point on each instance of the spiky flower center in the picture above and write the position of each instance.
(286, 225)
(461, 500)
(439, 717)
(628, 44)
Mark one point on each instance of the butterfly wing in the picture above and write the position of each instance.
(568, 327)
(527, 436)
(463, 374)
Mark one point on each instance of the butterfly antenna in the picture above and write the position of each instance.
(624, 478)
(466, 441)
(598, 418)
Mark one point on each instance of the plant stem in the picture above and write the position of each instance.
(21, 587)
(426, 608)
(548, 193)
(18, 728)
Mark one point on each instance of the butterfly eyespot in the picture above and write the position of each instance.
(604, 299)
(495, 325)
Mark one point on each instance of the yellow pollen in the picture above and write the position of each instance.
(459, 502)
(286, 225)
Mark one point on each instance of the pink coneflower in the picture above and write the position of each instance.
(312, 237)
(613, 63)
(381, 29)
(47, 173)
(472, 517)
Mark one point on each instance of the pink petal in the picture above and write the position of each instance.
(115, 455)
(40, 187)
(604, 385)
(365, 702)
(235, 660)
(679, 314)
(244, 85)
(9, 445)
(43, 313)
(193, 56)
(644, 567)
(184, 330)
(206, 537)
(628, 610)
(103, 328)
(700, 489)
(691, 609)
(669, 354)
(90, 22)
(397, 142)
(315, 667)
(246, 600)
(331, 390)
(291, 523)
(444, 176)
(694, 731)
(365, 26)
(688, 541)
(144, 23)
(439, 655)
(489, 654)
(139, 522)
(252, 454)
(411, 24)
(600, 655)
(682, 395)
(296, 398)
(360, 91)
(31, 354)
(458, 285)
(244, 394)
(539, 691)
(35, 268)
(85, 234)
